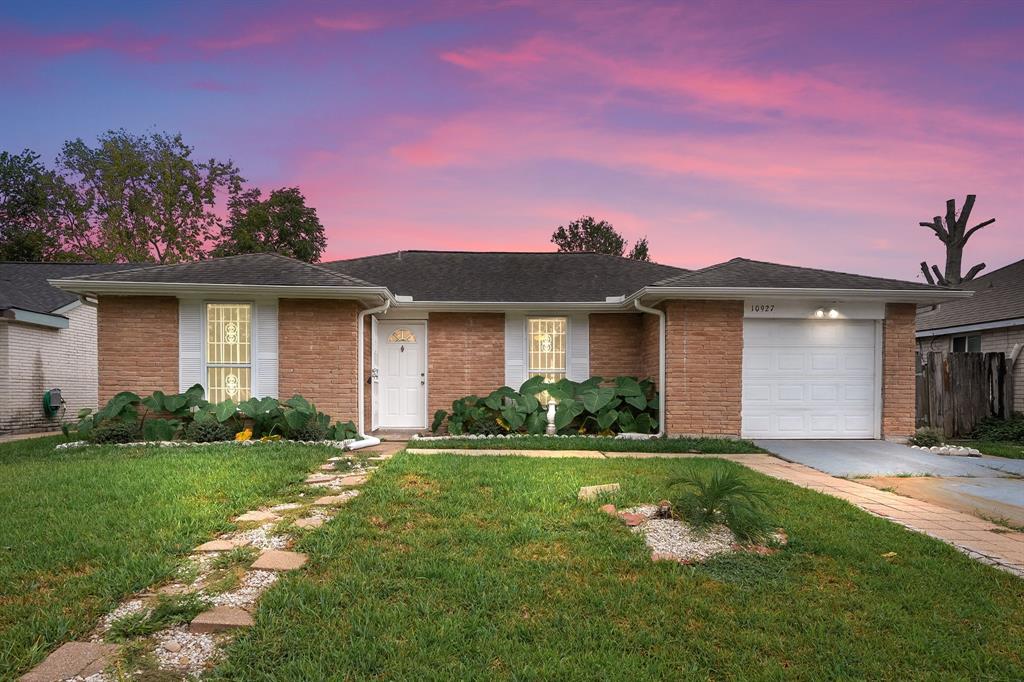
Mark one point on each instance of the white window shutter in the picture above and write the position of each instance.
(515, 350)
(265, 365)
(190, 345)
(578, 362)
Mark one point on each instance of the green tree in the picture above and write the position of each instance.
(24, 200)
(281, 223)
(137, 198)
(597, 236)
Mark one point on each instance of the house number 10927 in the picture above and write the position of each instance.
(762, 308)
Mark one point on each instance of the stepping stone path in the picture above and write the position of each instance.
(258, 516)
(279, 560)
(591, 492)
(190, 648)
(219, 546)
(221, 619)
(73, 660)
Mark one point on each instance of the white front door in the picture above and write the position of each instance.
(809, 379)
(402, 353)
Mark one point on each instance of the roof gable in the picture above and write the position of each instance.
(999, 295)
(743, 272)
(474, 276)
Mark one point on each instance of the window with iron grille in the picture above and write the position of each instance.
(547, 347)
(228, 351)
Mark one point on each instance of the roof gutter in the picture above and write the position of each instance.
(661, 362)
(360, 373)
(981, 326)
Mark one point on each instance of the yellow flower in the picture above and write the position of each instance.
(245, 434)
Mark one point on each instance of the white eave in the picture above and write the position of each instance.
(95, 287)
(964, 328)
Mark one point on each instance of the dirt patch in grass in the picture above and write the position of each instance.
(552, 550)
(418, 485)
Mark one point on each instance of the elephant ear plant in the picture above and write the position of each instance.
(591, 406)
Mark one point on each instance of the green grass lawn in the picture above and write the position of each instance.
(996, 448)
(83, 528)
(452, 567)
(705, 445)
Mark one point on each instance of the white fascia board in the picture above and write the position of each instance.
(501, 306)
(40, 319)
(94, 287)
(67, 308)
(740, 293)
(964, 328)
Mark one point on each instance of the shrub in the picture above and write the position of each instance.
(115, 432)
(928, 437)
(310, 431)
(208, 431)
(722, 496)
(582, 407)
(1000, 429)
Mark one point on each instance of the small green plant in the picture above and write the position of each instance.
(722, 496)
(237, 557)
(115, 432)
(927, 437)
(1001, 429)
(208, 431)
(168, 611)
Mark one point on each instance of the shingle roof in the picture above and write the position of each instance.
(505, 276)
(24, 285)
(266, 269)
(999, 295)
(743, 272)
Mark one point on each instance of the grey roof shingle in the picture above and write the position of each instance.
(999, 295)
(24, 285)
(505, 276)
(743, 272)
(266, 269)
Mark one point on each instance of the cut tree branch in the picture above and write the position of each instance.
(927, 274)
(975, 229)
(939, 277)
(973, 271)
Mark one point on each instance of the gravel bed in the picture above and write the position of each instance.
(668, 536)
(287, 506)
(183, 651)
(261, 538)
(648, 510)
(254, 584)
(125, 609)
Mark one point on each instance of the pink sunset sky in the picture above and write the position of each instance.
(816, 133)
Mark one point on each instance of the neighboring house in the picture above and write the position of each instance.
(991, 321)
(743, 348)
(47, 340)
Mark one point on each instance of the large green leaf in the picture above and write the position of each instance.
(533, 386)
(596, 398)
(527, 404)
(176, 404)
(250, 407)
(160, 429)
(567, 410)
(194, 395)
(606, 419)
(513, 417)
(637, 401)
(644, 423)
(627, 422)
(536, 423)
(439, 418)
(563, 389)
(297, 402)
(296, 419)
(224, 410)
(154, 402)
(627, 386)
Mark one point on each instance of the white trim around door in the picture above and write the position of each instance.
(402, 374)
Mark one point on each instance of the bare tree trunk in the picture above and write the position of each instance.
(954, 234)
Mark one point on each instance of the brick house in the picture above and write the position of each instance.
(47, 341)
(991, 321)
(742, 348)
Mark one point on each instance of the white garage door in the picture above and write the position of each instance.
(809, 379)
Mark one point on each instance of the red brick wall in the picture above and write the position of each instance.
(650, 331)
(317, 354)
(704, 375)
(616, 345)
(898, 383)
(466, 355)
(137, 343)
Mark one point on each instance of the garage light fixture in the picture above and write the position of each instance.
(831, 313)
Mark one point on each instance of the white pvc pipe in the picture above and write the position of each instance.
(661, 362)
(364, 442)
(361, 392)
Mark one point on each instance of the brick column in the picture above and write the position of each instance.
(898, 381)
(704, 356)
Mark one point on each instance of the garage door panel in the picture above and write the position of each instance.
(809, 379)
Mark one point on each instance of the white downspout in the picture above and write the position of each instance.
(364, 440)
(661, 362)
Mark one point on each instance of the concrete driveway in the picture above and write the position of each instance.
(991, 487)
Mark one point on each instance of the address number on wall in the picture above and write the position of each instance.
(762, 307)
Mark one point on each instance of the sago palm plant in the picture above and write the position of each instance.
(722, 496)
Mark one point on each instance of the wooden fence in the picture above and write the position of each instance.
(957, 390)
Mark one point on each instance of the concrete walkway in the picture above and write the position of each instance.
(981, 540)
